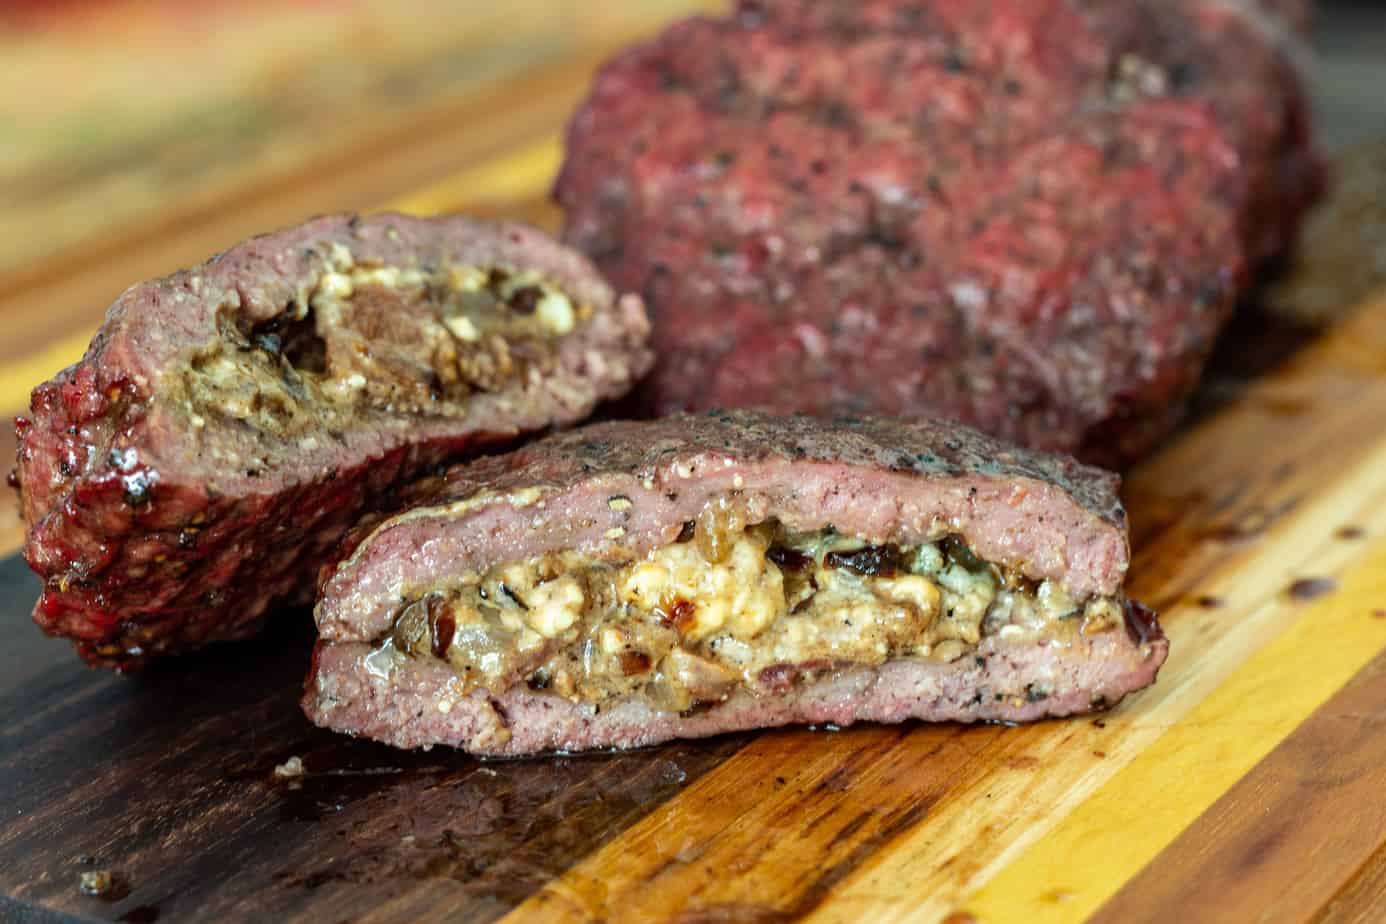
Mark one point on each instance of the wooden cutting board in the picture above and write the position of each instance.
(1246, 785)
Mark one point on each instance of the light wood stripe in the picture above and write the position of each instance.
(519, 174)
(945, 862)
(1086, 858)
(18, 378)
(1317, 795)
(1032, 777)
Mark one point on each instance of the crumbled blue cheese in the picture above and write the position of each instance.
(554, 606)
(713, 612)
(742, 595)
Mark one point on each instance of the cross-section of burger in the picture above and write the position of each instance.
(628, 583)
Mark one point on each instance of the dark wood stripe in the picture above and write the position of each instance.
(168, 779)
(1363, 900)
(1291, 834)
(771, 834)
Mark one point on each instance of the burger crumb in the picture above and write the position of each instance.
(290, 769)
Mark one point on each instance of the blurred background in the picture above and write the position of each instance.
(137, 136)
(141, 135)
(121, 113)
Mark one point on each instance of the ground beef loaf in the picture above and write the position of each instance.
(230, 422)
(628, 583)
(1031, 216)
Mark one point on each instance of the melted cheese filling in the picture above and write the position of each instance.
(729, 608)
(398, 339)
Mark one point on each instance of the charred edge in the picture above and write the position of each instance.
(21, 427)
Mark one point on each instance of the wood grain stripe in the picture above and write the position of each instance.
(18, 377)
(1290, 834)
(851, 793)
(68, 298)
(1364, 897)
(169, 778)
(1207, 649)
(1245, 547)
(521, 174)
(1125, 824)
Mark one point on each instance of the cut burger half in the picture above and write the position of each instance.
(630, 583)
(230, 422)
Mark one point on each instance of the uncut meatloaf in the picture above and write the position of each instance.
(230, 422)
(1033, 216)
(628, 583)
